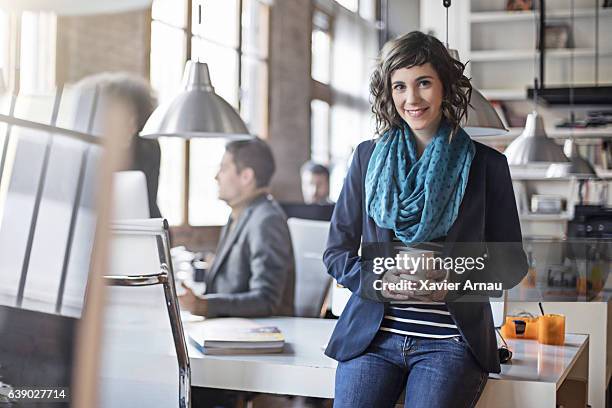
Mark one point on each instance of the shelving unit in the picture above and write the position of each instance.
(513, 55)
(564, 216)
(513, 16)
(500, 46)
(582, 136)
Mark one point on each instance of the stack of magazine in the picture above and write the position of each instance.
(228, 336)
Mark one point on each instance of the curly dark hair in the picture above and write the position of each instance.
(409, 50)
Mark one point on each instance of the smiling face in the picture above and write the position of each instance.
(417, 95)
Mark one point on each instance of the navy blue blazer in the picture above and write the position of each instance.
(487, 214)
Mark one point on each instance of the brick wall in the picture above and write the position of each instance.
(290, 33)
(105, 42)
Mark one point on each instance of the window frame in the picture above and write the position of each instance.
(319, 90)
(189, 36)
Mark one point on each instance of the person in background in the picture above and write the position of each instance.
(126, 101)
(252, 274)
(315, 183)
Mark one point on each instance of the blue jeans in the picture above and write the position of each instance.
(436, 373)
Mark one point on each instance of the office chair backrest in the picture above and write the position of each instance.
(137, 344)
(311, 279)
(130, 199)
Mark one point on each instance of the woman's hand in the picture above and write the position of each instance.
(411, 287)
(436, 295)
(409, 281)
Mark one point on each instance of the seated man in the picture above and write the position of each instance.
(315, 183)
(252, 274)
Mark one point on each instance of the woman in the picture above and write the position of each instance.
(126, 102)
(422, 180)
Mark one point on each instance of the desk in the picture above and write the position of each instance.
(594, 319)
(537, 373)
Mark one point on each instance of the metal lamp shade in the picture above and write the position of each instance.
(482, 119)
(196, 112)
(534, 146)
(577, 166)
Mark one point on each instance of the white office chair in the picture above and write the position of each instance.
(142, 325)
(311, 279)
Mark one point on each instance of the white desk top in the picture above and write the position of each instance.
(542, 363)
(303, 369)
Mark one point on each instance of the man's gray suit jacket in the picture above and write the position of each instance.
(253, 274)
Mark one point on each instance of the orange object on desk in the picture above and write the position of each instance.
(509, 331)
(551, 329)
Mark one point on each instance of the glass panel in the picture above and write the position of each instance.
(37, 340)
(223, 66)
(319, 131)
(52, 227)
(255, 23)
(168, 57)
(321, 47)
(37, 108)
(173, 12)
(38, 33)
(219, 21)
(4, 49)
(367, 9)
(254, 102)
(170, 192)
(204, 206)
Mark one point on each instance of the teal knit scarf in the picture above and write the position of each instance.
(418, 199)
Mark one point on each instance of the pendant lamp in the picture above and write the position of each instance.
(196, 112)
(534, 145)
(482, 119)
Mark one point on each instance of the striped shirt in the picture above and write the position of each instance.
(421, 319)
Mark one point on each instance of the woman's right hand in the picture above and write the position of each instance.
(397, 276)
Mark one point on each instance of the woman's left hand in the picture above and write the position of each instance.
(434, 295)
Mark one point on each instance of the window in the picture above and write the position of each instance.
(321, 96)
(168, 56)
(340, 110)
(319, 131)
(37, 66)
(365, 8)
(352, 5)
(321, 47)
(231, 36)
(4, 49)
(35, 50)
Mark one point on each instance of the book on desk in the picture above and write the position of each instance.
(227, 336)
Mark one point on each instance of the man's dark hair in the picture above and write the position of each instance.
(314, 168)
(255, 154)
